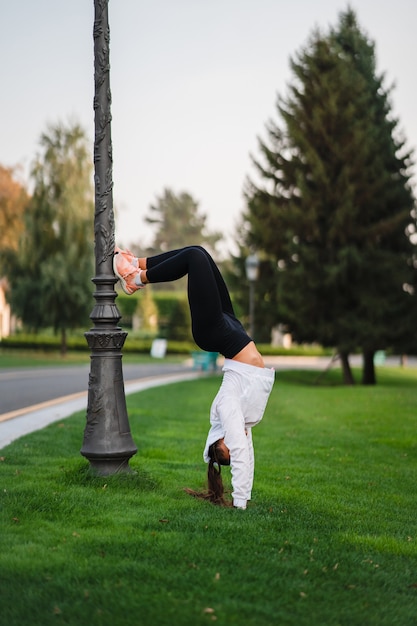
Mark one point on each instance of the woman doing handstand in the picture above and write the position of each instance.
(241, 400)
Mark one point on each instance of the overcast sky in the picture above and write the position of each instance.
(193, 84)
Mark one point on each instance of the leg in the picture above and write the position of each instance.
(203, 293)
(214, 325)
(208, 296)
(154, 261)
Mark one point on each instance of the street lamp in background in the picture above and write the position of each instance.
(108, 443)
(252, 273)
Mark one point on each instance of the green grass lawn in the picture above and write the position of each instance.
(329, 539)
(10, 358)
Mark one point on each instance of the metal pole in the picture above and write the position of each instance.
(108, 443)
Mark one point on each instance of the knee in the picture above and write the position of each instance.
(197, 251)
(199, 248)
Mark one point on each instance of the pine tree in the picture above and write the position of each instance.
(336, 208)
(178, 222)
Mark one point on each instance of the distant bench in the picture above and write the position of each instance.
(205, 360)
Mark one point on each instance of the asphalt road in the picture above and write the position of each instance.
(21, 387)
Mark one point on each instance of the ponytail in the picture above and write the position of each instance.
(215, 492)
(214, 479)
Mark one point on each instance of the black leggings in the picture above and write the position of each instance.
(214, 325)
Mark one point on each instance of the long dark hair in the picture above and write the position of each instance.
(215, 488)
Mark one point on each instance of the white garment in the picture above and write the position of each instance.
(238, 406)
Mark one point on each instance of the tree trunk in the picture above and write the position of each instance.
(346, 369)
(63, 342)
(368, 371)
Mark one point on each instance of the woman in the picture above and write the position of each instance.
(241, 401)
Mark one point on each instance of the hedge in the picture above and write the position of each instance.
(79, 343)
(143, 346)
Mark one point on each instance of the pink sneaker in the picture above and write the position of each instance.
(129, 256)
(126, 272)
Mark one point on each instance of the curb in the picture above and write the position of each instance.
(15, 424)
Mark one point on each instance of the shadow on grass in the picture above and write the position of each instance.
(386, 377)
(137, 479)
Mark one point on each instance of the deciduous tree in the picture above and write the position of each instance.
(50, 274)
(13, 201)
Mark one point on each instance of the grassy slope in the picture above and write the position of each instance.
(330, 537)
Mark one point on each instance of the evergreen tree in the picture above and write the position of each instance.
(335, 209)
(50, 275)
(179, 223)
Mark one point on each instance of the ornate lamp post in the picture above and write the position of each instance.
(108, 443)
(252, 273)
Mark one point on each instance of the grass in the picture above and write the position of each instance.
(33, 358)
(329, 538)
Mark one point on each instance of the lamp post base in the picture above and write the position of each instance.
(108, 443)
(110, 466)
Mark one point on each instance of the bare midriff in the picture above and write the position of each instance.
(250, 356)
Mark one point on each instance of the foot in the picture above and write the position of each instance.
(128, 255)
(126, 272)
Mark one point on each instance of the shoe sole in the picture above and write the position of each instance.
(120, 277)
